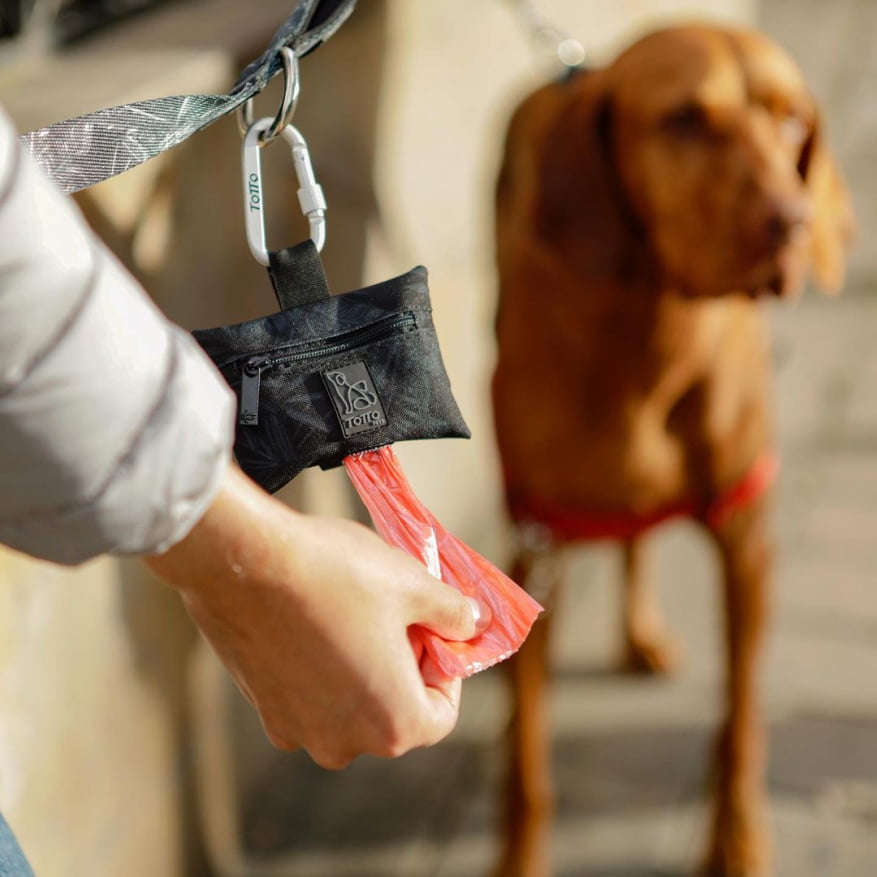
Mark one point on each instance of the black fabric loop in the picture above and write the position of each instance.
(308, 26)
(297, 275)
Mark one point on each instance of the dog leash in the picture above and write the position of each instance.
(80, 152)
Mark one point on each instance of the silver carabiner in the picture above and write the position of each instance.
(310, 192)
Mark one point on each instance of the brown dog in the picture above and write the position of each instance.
(642, 210)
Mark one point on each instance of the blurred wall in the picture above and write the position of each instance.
(404, 112)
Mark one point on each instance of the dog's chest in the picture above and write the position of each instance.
(603, 401)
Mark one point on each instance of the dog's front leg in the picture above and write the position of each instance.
(740, 844)
(529, 802)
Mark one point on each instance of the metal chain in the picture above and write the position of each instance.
(546, 36)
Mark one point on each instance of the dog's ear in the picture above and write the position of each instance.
(833, 224)
(580, 208)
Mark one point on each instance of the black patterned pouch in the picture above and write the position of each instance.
(332, 375)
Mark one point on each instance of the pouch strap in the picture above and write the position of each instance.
(297, 275)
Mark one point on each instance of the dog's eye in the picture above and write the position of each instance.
(688, 120)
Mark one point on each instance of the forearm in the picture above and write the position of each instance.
(244, 531)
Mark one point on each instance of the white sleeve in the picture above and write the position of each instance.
(115, 428)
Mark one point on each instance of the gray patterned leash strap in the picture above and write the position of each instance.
(79, 152)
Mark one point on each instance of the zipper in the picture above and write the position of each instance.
(251, 378)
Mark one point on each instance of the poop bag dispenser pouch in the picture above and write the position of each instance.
(331, 375)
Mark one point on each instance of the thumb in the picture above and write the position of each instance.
(448, 613)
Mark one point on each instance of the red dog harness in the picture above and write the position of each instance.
(567, 524)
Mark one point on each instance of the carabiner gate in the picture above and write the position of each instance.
(310, 192)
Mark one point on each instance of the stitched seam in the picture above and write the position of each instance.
(12, 177)
(129, 452)
(327, 28)
(85, 296)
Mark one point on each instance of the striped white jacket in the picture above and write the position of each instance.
(114, 427)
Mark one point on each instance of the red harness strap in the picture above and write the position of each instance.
(568, 524)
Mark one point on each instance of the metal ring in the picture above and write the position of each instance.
(287, 106)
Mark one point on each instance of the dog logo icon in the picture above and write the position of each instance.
(354, 398)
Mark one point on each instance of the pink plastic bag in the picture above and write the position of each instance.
(402, 520)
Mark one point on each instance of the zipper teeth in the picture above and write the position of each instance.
(356, 338)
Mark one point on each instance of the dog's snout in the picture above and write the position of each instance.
(785, 218)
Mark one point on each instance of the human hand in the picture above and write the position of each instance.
(311, 616)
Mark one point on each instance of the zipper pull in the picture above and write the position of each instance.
(251, 380)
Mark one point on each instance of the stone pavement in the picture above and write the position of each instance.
(631, 755)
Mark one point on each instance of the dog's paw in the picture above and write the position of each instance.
(720, 866)
(733, 855)
(521, 861)
(508, 868)
(659, 655)
(526, 839)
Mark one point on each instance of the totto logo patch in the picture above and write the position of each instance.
(355, 399)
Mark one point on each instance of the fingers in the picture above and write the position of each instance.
(448, 613)
(443, 708)
(422, 721)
